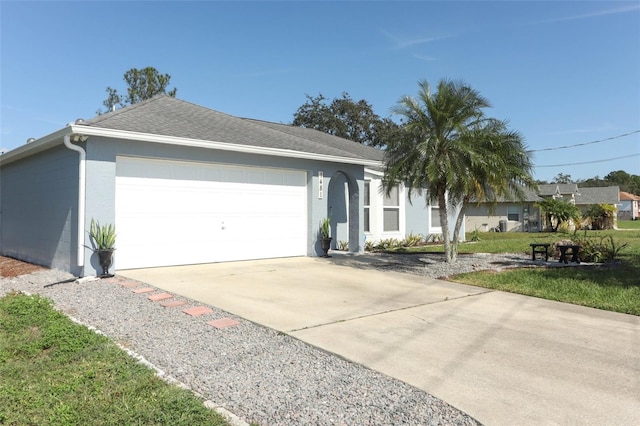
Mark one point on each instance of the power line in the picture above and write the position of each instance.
(585, 143)
(591, 162)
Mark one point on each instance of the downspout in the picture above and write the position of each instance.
(81, 197)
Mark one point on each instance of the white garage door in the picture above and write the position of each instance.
(180, 213)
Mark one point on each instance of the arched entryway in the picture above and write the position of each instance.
(343, 208)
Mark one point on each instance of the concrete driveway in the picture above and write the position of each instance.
(502, 358)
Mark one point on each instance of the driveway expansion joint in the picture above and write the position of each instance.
(446, 299)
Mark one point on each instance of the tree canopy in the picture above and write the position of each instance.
(562, 178)
(451, 149)
(346, 118)
(141, 84)
(627, 182)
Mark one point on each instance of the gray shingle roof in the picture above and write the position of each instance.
(529, 196)
(598, 195)
(168, 116)
(557, 188)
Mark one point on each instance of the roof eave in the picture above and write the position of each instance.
(39, 145)
(222, 146)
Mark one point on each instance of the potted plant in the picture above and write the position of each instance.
(325, 239)
(104, 240)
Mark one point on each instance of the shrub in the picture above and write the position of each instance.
(412, 240)
(601, 216)
(343, 245)
(433, 238)
(388, 244)
(475, 235)
(599, 249)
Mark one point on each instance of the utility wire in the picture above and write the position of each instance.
(585, 143)
(591, 162)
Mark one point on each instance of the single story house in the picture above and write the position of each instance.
(185, 184)
(525, 216)
(506, 215)
(628, 206)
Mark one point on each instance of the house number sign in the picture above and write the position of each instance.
(320, 185)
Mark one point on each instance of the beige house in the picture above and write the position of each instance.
(628, 206)
(525, 216)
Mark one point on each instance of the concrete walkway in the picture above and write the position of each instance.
(500, 357)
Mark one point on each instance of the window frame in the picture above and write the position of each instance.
(367, 206)
(517, 214)
(387, 207)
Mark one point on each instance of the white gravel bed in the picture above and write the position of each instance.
(258, 374)
(434, 266)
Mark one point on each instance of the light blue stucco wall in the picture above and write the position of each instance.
(39, 209)
(101, 172)
(417, 215)
(39, 197)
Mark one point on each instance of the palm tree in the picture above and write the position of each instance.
(455, 153)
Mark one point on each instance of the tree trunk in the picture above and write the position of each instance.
(456, 231)
(444, 223)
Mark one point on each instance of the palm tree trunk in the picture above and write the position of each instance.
(444, 223)
(456, 231)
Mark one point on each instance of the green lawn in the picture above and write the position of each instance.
(629, 224)
(56, 372)
(613, 287)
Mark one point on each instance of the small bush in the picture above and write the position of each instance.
(601, 249)
(412, 240)
(475, 235)
(388, 244)
(343, 245)
(433, 238)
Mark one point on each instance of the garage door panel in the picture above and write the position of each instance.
(172, 213)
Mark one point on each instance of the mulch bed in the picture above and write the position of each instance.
(12, 267)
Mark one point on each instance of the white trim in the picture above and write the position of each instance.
(82, 182)
(26, 150)
(373, 172)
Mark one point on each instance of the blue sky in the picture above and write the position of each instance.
(562, 73)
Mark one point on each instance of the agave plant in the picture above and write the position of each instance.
(103, 236)
(324, 227)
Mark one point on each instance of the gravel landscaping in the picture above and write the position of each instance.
(258, 374)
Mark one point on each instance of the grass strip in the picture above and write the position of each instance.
(56, 372)
(614, 289)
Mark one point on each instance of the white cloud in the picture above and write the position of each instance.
(401, 43)
(425, 58)
(614, 11)
(603, 128)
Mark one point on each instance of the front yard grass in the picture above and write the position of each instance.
(614, 287)
(56, 372)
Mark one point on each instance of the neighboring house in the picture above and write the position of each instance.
(508, 215)
(185, 184)
(628, 206)
(505, 215)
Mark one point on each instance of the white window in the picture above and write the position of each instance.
(391, 211)
(435, 217)
(367, 204)
(513, 213)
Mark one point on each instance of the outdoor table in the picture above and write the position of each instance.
(574, 253)
(542, 248)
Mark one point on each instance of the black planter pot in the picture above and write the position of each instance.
(325, 244)
(105, 258)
